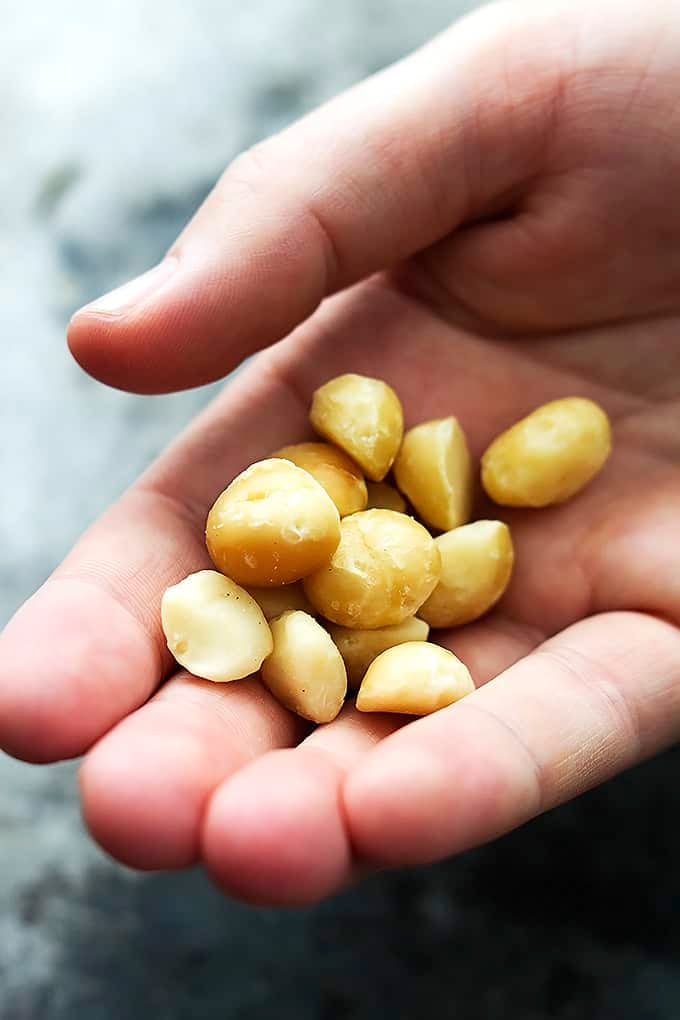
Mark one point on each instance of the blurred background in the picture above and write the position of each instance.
(116, 120)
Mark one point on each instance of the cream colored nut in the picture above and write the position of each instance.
(214, 628)
(305, 672)
(414, 679)
(381, 573)
(362, 416)
(476, 567)
(360, 647)
(274, 601)
(340, 476)
(382, 496)
(548, 456)
(434, 472)
(273, 524)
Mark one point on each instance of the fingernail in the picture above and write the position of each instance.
(118, 301)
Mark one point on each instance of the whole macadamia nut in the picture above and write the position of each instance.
(548, 456)
(477, 563)
(384, 568)
(273, 524)
(274, 601)
(382, 496)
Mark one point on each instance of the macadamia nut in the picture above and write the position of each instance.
(360, 647)
(362, 416)
(434, 472)
(548, 456)
(340, 476)
(305, 671)
(384, 568)
(476, 567)
(382, 496)
(274, 601)
(273, 524)
(214, 628)
(414, 679)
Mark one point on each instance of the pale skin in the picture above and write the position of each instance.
(502, 207)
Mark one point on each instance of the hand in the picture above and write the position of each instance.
(496, 218)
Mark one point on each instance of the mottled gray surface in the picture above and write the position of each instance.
(115, 120)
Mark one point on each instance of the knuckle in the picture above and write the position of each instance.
(250, 171)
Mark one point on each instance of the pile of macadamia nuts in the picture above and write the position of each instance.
(324, 580)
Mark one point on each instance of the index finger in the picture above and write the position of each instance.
(88, 648)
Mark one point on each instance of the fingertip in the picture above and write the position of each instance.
(128, 352)
(274, 834)
(121, 337)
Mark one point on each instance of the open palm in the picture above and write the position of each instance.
(494, 215)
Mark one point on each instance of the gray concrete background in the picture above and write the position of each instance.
(115, 121)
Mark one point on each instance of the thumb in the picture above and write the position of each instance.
(375, 175)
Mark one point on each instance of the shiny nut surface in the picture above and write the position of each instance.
(548, 456)
(382, 496)
(434, 472)
(273, 524)
(360, 647)
(214, 628)
(381, 573)
(274, 601)
(477, 563)
(305, 671)
(340, 476)
(414, 679)
(362, 416)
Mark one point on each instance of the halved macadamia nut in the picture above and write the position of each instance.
(477, 563)
(414, 679)
(305, 671)
(214, 628)
(434, 472)
(362, 416)
(360, 647)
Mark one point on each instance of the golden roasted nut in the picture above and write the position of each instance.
(434, 472)
(476, 567)
(382, 496)
(274, 601)
(214, 628)
(305, 672)
(381, 573)
(360, 647)
(362, 416)
(548, 456)
(273, 524)
(340, 476)
(414, 679)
